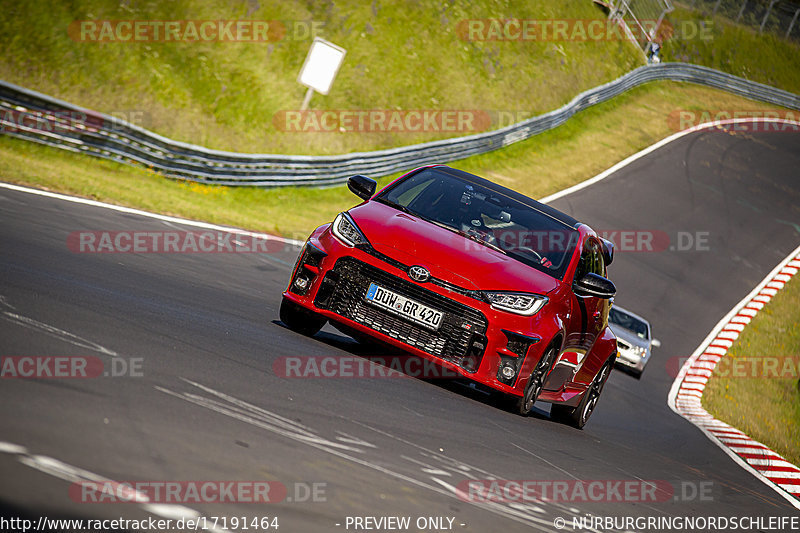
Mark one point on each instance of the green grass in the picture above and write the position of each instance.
(400, 56)
(766, 408)
(539, 166)
(732, 48)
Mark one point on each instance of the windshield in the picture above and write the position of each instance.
(486, 216)
(631, 323)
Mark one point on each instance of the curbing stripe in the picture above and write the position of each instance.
(686, 392)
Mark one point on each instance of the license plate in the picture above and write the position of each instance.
(404, 307)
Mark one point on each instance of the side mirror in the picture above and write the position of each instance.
(362, 186)
(655, 343)
(608, 251)
(594, 285)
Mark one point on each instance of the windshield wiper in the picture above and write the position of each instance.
(477, 239)
(399, 207)
(406, 210)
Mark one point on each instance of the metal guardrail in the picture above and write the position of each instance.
(40, 118)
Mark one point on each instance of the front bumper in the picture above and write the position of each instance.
(474, 340)
(627, 358)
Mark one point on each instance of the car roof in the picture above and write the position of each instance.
(543, 208)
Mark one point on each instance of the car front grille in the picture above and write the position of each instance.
(460, 338)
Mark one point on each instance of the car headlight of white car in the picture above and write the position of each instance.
(638, 351)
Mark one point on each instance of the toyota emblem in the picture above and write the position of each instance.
(419, 274)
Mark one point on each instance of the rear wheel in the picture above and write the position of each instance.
(536, 381)
(579, 415)
(300, 319)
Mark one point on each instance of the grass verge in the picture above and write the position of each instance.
(226, 95)
(748, 393)
(544, 164)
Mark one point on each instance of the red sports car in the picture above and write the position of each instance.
(503, 290)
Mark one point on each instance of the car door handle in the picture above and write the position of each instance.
(596, 315)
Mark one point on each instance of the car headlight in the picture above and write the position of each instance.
(517, 302)
(639, 351)
(345, 230)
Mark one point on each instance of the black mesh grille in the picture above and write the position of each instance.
(518, 347)
(461, 325)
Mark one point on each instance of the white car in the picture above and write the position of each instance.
(634, 339)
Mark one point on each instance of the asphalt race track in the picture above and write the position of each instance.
(206, 403)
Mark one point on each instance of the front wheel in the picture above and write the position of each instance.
(300, 319)
(535, 383)
(578, 416)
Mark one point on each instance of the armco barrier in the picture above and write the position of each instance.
(127, 143)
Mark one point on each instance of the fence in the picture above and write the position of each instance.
(36, 117)
(780, 17)
(641, 17)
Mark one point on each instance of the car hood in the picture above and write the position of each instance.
(446, 254)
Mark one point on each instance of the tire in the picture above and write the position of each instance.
(300, 319)
(536, 381)
(578, 416)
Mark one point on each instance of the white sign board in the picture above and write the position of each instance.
(321, 65)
